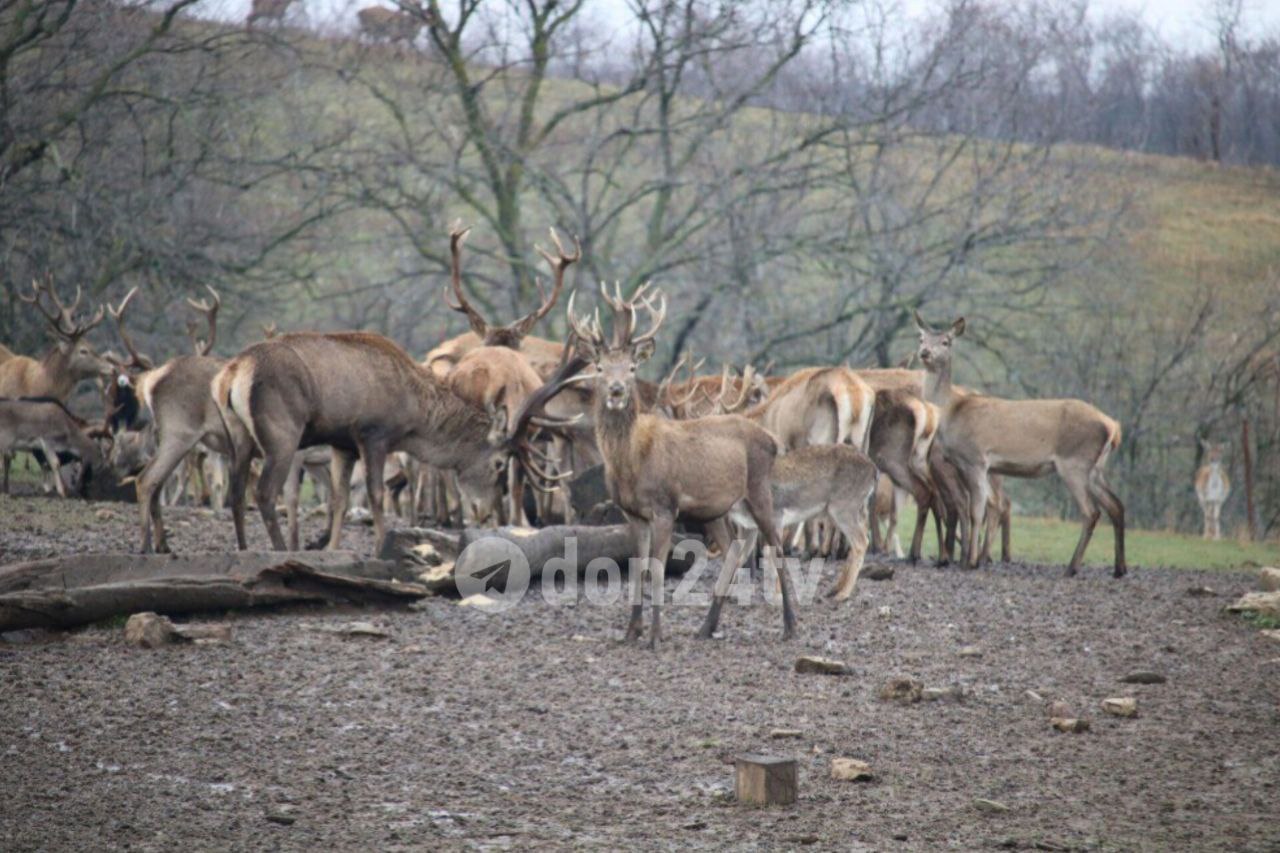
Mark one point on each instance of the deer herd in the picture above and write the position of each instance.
(820, 456)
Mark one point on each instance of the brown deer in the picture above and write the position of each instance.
(267, 10)
(45, 425)
(1212, 488)
(982, 435)
(69, 361)
(391, 25)
(658, 469)
(361, 394)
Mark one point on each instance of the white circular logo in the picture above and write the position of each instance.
(494, 568)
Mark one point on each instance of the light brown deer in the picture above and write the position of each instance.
(391, 25)
(658, 469)
(267, 10)
(981, 435)
(1212, 488)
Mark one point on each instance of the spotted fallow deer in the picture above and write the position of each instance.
(1212, 488)
(981, 435)
(69, 361)
(658, 469)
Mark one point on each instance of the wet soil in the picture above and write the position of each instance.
(536, 727)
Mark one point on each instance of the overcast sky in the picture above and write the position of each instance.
(1183, 22)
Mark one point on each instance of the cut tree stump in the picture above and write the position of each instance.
(765, 780)
(70, 591)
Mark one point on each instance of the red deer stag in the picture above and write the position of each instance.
(658, 469)
(267, 10)
(982, 435)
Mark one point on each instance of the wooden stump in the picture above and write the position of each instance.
(765, 780)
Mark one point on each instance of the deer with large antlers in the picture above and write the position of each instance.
(982, 435)
(658, 469)
(495, 375)
(70, 360)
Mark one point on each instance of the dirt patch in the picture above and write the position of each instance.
(536, 727)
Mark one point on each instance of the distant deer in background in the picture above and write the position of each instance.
(1212, 488)
(267, 10)
(390, 25)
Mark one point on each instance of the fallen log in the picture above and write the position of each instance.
(70, 591)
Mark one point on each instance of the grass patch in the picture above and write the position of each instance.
(1261, 621)
(1052, 541)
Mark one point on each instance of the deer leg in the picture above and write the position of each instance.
(661, 540)
(515, 491)
(1077, 481)
(732, 553)
(876, 545)
(760, 504)
(292, 488)
(1006, 524)
(275, 469)
(7, 459)
(339, 494)
(852, 520)
(642, 533)
(975, 481)
(151, 482)
(374, 454)
(1102, 493)
(241, 463)
(55, 466)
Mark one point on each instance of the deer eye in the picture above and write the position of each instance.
(633, 368)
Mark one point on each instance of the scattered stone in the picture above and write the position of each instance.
(850, 770)
(106, 515)
(879, 572)
(281, 816)
(1121, 706)
(781, 734)
(1144, 676)
(479, 600)
(1034, 696)
(1272, 634)
(1072, 725)
(582, 638)
(203, 634)
(1270, 578)
(1264, 603)
(941, 694)
(885, 612)
(1201, 592)
(821, 666)
(148, 630)
(1059, 708)
(351, 629)
(970, 652)
(904, 691)
(990, 806)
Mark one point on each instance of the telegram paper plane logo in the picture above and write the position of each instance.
(495, 568)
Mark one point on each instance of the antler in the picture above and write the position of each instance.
(591, 332)
(624, 312)
(558, 266)
(571, 364)
(210, 310)
(748, 375)
(269, 330)
(666, 386)
(136, 359)
(458, 236)
(62, 321)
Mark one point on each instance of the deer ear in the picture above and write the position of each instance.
(642, 351)
(957, 328)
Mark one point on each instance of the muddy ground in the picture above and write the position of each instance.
(537, 728)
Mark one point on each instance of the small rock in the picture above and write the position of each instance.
(942, 694)
(1270, 578)
(1201, 592)
(781, 734)
(850, 770)
(1272, 634)
(1070, 724)
(148, 630)
(1058, 708)
(581, 638)
(282, 816)
(970, 652)
(1121, 706)
(204, 635)
(885, 612)
(821, 666)
(351, 629)
(880, 572)
(105, 515)
(990, 806)
(1144, 676)
(1034, 696)
(479, 600)
(1265, 603)
(904, 691)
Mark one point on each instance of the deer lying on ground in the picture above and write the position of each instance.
(45, 425)
(981, 435)
(1212, 488)
(659, 469)
(69, 361)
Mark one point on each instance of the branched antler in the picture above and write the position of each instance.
(137, 360)
(210, 310)
(63, 319)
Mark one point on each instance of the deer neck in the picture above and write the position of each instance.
(57, 374)
(451, 431)
(615, 429)
(937, 385)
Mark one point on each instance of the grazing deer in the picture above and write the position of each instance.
(361, 394)
(267, 10)
(391, 25)
(982, 435)
(70, 360)
(658, 469)
(45, 425)
(1212, 488)
(495, 375)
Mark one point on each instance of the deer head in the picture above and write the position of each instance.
(616, 361)
(1213, 451)
(935, 346)
(511, 334)
(81, 359)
